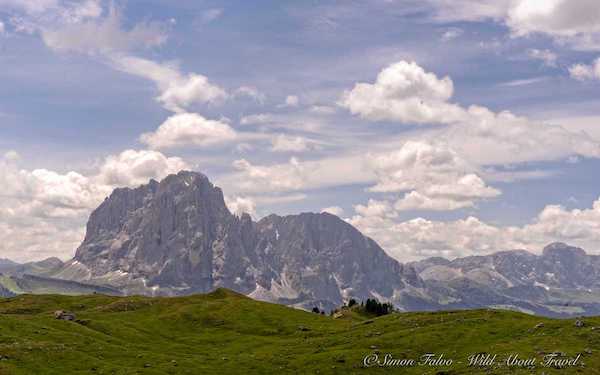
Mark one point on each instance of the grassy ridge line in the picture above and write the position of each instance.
(226, 333)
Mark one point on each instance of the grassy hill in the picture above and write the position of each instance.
(227, 333)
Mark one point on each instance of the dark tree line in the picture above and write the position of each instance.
(371, 306)
(375, 307)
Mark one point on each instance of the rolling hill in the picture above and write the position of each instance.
(225, 332)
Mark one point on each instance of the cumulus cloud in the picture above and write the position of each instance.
(82, 29)
(376, 208)
(433, 177)
(269, 178)
(240, 205)
(135, 167)
(575, 23)
(583, 72)
(44, 212)
(404, 92)
(489, 138)
(178, 91)
(419, 238)
(188, 129)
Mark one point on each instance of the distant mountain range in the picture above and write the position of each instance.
(177, 237)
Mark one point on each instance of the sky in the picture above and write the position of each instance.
(436, 127)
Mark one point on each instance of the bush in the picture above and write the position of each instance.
(316, 310)
(352, 302)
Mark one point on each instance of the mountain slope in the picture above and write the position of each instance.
(223, 332)
(563, 280)
(177, 237)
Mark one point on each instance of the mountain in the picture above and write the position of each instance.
(33, 278)
(177, 237)
(563, 280)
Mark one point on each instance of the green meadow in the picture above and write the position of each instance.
(227, 333)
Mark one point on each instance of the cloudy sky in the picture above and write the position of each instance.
(437, 127)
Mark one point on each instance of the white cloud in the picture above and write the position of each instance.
(2, 28)
(188, 129)
(135, 167)
(12, 155)
(285, 143)
(419, 238)
(30, 6)
(574, 22)
(322, 109)
(264, 179)
(84, 32)
(257, 119)
(241, 205)
(44, 212)
(450, 196)
(334, 210)
(178, 91)
(489, 138)
(404, 92)
(375, 208)
(81, 29)
(583, 72)
(548, 57)
(452, 33)
(434, 177)
(251, 92)
(292, 101)
(467, 10)
(523, 82)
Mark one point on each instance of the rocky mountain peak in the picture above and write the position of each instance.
(177, 236)
(560, 250)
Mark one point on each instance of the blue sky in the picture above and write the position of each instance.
(437, 127)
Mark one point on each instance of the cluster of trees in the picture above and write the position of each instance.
(371, 306)
(375, 307)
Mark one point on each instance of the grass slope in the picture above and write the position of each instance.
(227, 333)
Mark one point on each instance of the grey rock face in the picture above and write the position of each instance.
(324, 259)
(563, 280)
(178, 237)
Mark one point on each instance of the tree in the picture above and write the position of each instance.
(352, 302)
(316, 310)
